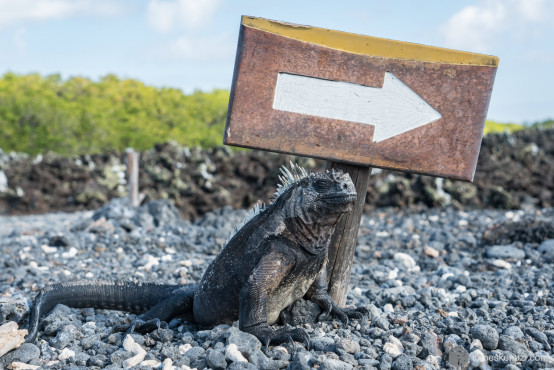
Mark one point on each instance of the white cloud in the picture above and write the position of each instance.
(476, 27)
(18, 11)
(534, 10)
(208, 48)
(164, 15)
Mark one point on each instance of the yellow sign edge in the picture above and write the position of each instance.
(369, 45)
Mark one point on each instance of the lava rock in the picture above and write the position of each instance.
(13, 308)
(324, 344)
(216, 359)
(246, 343)
(486, 334)
(430, 344)
(513, 332)
(505, 251)
(242, 366)
(546, 249)
(26, 353)
(509, 344)
(403, 362)
(334, 364)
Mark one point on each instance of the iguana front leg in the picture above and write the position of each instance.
(272, 268)
(318, 293)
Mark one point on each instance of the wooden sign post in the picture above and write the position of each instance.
(358, 101)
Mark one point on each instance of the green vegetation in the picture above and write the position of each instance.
(549, 123)
(38, 114)
(492, 127)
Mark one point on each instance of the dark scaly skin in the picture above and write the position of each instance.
(276, 258)
(140, 298)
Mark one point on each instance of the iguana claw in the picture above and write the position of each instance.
(343, 313)
(268, 335)
(141, 326)
(357, 313)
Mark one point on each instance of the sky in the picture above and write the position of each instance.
(191, 44)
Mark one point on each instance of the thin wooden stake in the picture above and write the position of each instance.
(343, 241)
(133, 176)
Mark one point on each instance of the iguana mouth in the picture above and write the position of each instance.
(341, 199)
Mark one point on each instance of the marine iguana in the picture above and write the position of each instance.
(275, 257)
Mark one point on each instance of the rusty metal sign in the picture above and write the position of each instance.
(358, 99)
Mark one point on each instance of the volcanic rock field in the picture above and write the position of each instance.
(454, 275)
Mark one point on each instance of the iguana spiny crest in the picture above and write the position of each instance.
(318, 196)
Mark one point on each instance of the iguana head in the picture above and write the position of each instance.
(314, 196)
(313, 205)
(309, 203)
(328, 194)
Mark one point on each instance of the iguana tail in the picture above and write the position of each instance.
(125, 296)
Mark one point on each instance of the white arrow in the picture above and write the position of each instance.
(392, 109)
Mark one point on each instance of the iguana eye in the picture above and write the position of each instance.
(321, 186)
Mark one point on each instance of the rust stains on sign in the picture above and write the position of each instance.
(445, 143)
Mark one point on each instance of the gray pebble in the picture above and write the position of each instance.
(511, 367)
(486, 334)
(540, 360)
(13, 308)
(333, 364)
(278, 354)
(349, 345)
(57, 318)
(119, 356)
(347, 357)
(25, 353)
(504, 252)
(242, 366)
(195, 353)
(468, 316)
(514, 332)
(403, 362)
(534, 346)
(97, 360)
(500, 359)
(81, 358)
(216, 359)
(480, 294)
(451, 342)
(46, 351)
(117, 338)
(162, 335)
(368, 362)
(546, 249)
(381, 323)
(538, 335)
(324, 344)
(386, 362)
(245, 342)
(459, 358)
(68, 334)
(171, 352)
(90, 341)
(300, 361)
(509, 344)
(260, 360)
